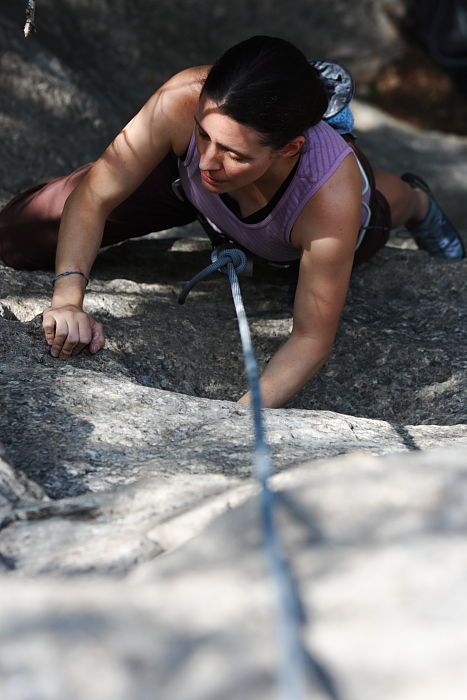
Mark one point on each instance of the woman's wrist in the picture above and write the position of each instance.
(69, 290)
(67, 273)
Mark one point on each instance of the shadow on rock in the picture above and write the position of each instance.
(397, 357)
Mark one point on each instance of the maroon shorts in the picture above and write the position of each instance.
(379, 226)
(29, 223)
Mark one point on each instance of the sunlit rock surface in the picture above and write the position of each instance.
(379, 558)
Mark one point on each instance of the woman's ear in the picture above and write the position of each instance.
(292, 148)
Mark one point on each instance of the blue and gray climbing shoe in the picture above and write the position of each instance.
(435, 234)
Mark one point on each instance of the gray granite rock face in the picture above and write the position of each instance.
(384, 587)
(77, 426)
(112, 464)
(117, 459)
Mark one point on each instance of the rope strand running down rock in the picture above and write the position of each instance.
(298, 667)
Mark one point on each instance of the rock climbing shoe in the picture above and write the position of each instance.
(435, 234)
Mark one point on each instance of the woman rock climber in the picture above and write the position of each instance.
(247, 140)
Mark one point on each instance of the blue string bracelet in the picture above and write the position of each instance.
(69, 272)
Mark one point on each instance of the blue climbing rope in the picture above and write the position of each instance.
(298, 667)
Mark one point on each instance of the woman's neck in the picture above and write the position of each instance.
(259, 193)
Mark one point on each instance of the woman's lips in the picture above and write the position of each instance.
(210, 180)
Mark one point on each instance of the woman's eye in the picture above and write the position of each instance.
(238, 159)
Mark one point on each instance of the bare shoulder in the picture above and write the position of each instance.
(191, 78)
(333, 213)
(163, 124)
(175, 104)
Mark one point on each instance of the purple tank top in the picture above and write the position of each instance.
(323, 151)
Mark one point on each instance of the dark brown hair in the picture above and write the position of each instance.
(267, 83)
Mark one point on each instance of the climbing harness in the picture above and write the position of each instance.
(298, 667)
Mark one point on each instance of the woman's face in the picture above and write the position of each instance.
(230, 154)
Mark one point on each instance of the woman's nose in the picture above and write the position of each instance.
(209, 160)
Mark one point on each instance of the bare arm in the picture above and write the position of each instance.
(163, 124)
(326, 232)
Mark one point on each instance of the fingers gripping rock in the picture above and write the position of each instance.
(68, 329)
